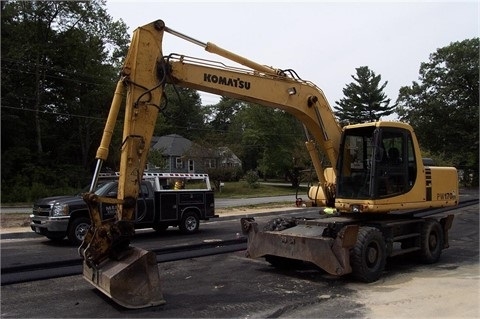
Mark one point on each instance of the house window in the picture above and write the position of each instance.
(191, 166)
(178, 163)
(210, 163)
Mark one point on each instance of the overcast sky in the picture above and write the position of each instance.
(322, 41)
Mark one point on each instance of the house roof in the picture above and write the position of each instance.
(172, 145)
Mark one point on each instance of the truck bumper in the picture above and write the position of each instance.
(46, 225)
(303, 242)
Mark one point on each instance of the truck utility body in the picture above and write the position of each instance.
(165, 199)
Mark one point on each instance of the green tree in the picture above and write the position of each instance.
(59, 68)
(182, 114)
(221, 115)
(364, 99)
(443, 105)
(268, 140)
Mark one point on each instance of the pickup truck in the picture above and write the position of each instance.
(164, 200)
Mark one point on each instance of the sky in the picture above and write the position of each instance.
(323, 41)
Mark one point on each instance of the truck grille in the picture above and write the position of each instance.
(42, 210)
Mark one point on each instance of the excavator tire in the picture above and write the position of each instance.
(431, 241)
(369, 256)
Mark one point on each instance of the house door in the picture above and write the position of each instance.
(191, 167)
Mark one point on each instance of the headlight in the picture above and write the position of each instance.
(59, 210)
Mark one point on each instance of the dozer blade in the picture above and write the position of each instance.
(132, 281)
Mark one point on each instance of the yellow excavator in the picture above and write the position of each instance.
(374, 182)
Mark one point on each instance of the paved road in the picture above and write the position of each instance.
(219, 203)
(232, 286)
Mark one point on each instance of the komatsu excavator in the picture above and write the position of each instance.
(376, 178)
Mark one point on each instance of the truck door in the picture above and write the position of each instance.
(167, 201)
(108, 210)
(145, 212)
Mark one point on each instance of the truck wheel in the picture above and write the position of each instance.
(189, 223)
(368, 257)
(78, 229)
(431, 241)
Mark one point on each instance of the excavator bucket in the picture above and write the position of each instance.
(132, 282)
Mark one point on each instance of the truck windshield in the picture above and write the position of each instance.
(102, 188)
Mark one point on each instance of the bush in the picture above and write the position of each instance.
(251, 177)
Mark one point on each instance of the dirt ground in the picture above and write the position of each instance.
(14, 220)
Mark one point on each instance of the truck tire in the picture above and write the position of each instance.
(189, 223)
(369, 255)
(78, 229)
(431, 241)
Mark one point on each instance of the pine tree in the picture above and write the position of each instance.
(364, 99)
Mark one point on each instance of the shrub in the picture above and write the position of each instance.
(251, 177)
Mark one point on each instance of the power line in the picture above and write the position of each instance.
(52, 113)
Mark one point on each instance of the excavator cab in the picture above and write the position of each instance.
(376, 163)
(380, 170)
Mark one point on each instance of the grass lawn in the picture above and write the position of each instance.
(241, 189)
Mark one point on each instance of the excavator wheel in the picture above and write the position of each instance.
(431, 241)
(368, 257)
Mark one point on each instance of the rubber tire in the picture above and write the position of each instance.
(369, 255)
(78, 229)
(189, 223)
(431, 241)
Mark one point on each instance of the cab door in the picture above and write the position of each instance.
(392, 163)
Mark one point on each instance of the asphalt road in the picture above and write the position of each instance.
(233, 286)
(219, 203)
